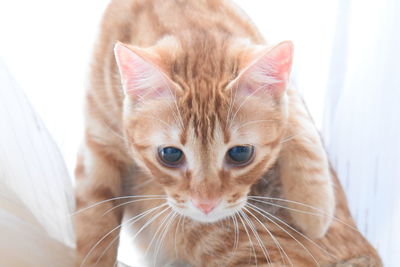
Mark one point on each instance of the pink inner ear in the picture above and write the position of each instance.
(270, 73)
(140, 78)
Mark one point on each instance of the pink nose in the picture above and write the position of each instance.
(205, 205)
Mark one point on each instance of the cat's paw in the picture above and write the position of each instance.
(312, 226)
(315, 214)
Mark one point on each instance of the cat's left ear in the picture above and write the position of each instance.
(141, 77)
(269, 73)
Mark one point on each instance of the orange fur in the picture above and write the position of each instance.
(204, 81)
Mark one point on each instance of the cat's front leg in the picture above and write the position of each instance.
(305, 173)
(98, 177)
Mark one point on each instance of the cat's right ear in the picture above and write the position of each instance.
(141, 78)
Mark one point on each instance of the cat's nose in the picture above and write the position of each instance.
(205, 205)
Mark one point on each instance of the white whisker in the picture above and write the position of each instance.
(162, 236)
(136, 187)
(250, 239)
(236, 227)
(122, 137)
(284, 140)
(157, 231)
(320, 212)
(255, 233)
(111, 199)
(293, 229)
(278, 245)
(176, 231)
(149, 222)
(129, 202)
(111, 231)
(245, 100)
(255, 208)
(142, 215)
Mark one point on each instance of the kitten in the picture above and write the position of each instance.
(191, 112)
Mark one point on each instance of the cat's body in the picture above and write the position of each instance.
(200, 61)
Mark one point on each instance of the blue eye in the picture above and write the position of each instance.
(240, 155)
(170, 156)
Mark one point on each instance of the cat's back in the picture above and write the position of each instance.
(144, 22)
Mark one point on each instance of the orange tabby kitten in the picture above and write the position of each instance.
(192, 129)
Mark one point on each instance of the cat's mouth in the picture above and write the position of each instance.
(221, 211)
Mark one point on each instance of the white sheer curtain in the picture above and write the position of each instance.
(362, 125)
(36, 197)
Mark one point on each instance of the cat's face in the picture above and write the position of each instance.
(205, 142)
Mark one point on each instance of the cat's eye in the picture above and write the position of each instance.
(170, 156)
(240, 155)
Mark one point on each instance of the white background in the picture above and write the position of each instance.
(47, 44)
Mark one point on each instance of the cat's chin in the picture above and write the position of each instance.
(219, 213)
(208, 218)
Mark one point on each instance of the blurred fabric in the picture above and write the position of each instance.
(36, 197)
(362, 124)
(30, 163)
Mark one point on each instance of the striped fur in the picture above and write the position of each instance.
(204, 50)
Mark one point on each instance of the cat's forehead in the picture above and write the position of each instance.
(204, 114)
(204, 58)
(202, 70)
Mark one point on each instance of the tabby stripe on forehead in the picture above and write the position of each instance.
(183, 135)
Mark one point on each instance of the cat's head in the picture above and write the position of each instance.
(206, 123)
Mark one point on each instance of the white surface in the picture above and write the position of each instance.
(47, 44)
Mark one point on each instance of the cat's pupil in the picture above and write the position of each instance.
(240, 154)
(170, 155)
